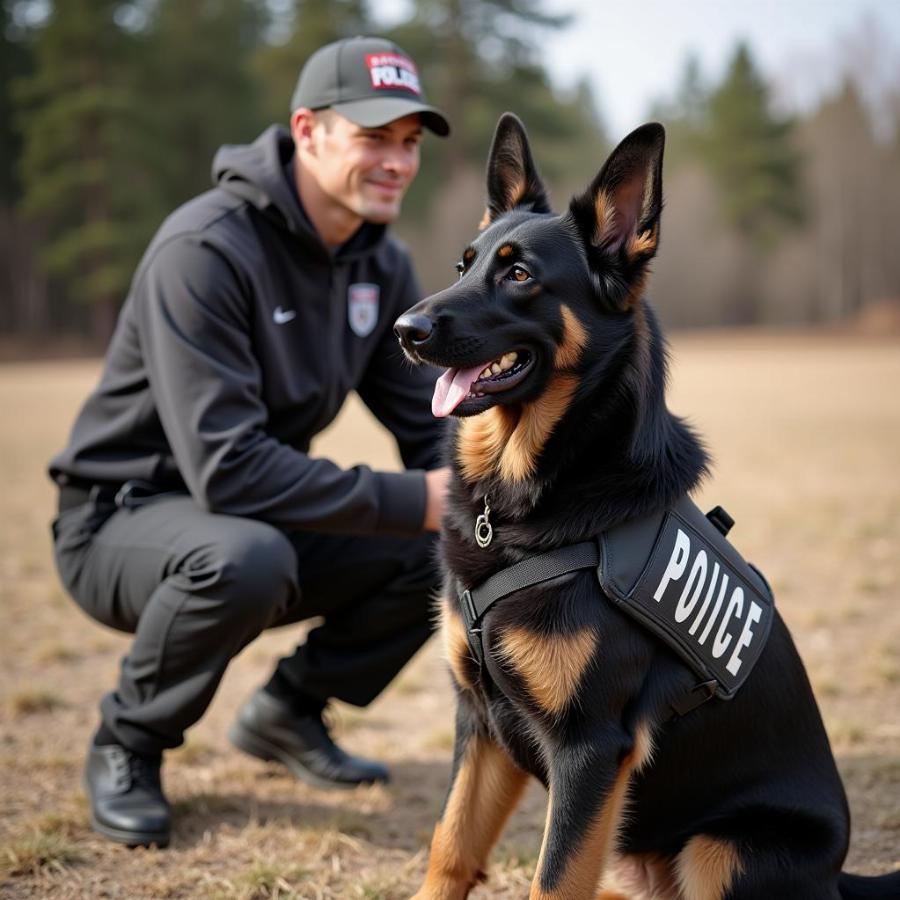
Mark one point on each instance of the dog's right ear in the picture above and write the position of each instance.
(512, 177)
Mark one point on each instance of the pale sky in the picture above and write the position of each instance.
(633, 51)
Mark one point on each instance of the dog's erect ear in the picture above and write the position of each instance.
(512, 177)
(618, 215)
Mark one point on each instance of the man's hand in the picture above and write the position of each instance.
(436, 482)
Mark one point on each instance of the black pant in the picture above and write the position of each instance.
(195, 588)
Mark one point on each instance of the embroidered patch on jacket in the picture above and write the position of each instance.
(393, 72)
(362, 308)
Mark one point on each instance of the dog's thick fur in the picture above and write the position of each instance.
(737, 799)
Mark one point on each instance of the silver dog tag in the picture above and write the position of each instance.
(483, 531)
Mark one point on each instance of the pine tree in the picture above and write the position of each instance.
(199, 91)
(751, 154)
(468, 51)
(685, 116)
(479, 58)
(308, 25)
(84, 164)
(854, 188)
(15, 63)
(757, 170)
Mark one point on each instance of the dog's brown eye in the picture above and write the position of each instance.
(517, 273)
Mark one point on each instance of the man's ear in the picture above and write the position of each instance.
(302, 122)
(618, 214)
(512, 177)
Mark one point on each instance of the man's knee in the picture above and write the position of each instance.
(250, 568)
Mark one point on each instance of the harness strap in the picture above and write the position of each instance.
(474, 603)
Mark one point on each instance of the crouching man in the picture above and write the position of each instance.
(190, 513)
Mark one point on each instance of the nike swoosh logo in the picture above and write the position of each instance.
(282, 316)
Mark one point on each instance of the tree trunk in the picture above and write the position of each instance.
(746, 304)
(28, 306)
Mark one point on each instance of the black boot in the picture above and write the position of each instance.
(127, 802)
(269, 729)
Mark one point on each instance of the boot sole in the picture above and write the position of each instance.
(257, 746)
(131, 838)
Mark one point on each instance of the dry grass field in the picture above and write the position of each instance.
(805, 431)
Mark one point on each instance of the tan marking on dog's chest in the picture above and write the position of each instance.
(536, 423)
(706, 868)
(509, 441)
(551, 667)
(456, 646)
(481, 439)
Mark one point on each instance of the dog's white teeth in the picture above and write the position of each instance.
(499, 366)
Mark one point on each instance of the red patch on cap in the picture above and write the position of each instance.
(393, 72)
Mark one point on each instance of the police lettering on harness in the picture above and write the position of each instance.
(695, 591)
(690, 595)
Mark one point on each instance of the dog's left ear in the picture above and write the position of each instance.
(618, 215)
(512, 177)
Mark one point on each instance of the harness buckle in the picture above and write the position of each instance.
(469, 610)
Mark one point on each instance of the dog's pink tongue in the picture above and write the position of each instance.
(452, 388)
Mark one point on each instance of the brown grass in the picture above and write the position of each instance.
(28, 700)
(806, 436)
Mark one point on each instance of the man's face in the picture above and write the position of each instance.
(367, 170)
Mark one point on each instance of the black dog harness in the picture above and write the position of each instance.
(675, 573)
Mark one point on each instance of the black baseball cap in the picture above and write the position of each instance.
(369, 81)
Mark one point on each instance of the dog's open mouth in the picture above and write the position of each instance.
(456, 386)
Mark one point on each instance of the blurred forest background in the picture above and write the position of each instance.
(110, 113)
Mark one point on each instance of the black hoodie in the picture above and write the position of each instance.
(234, 348)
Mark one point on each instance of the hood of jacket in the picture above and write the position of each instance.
(261, 174)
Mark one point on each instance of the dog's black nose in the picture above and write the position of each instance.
(413, 328)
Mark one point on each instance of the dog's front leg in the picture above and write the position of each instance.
(588, 791)
(484, 789)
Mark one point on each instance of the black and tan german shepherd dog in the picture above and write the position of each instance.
(556, 372)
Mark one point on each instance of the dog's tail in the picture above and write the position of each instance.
(861, 887)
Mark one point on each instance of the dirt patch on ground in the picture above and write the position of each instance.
(806, 437)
